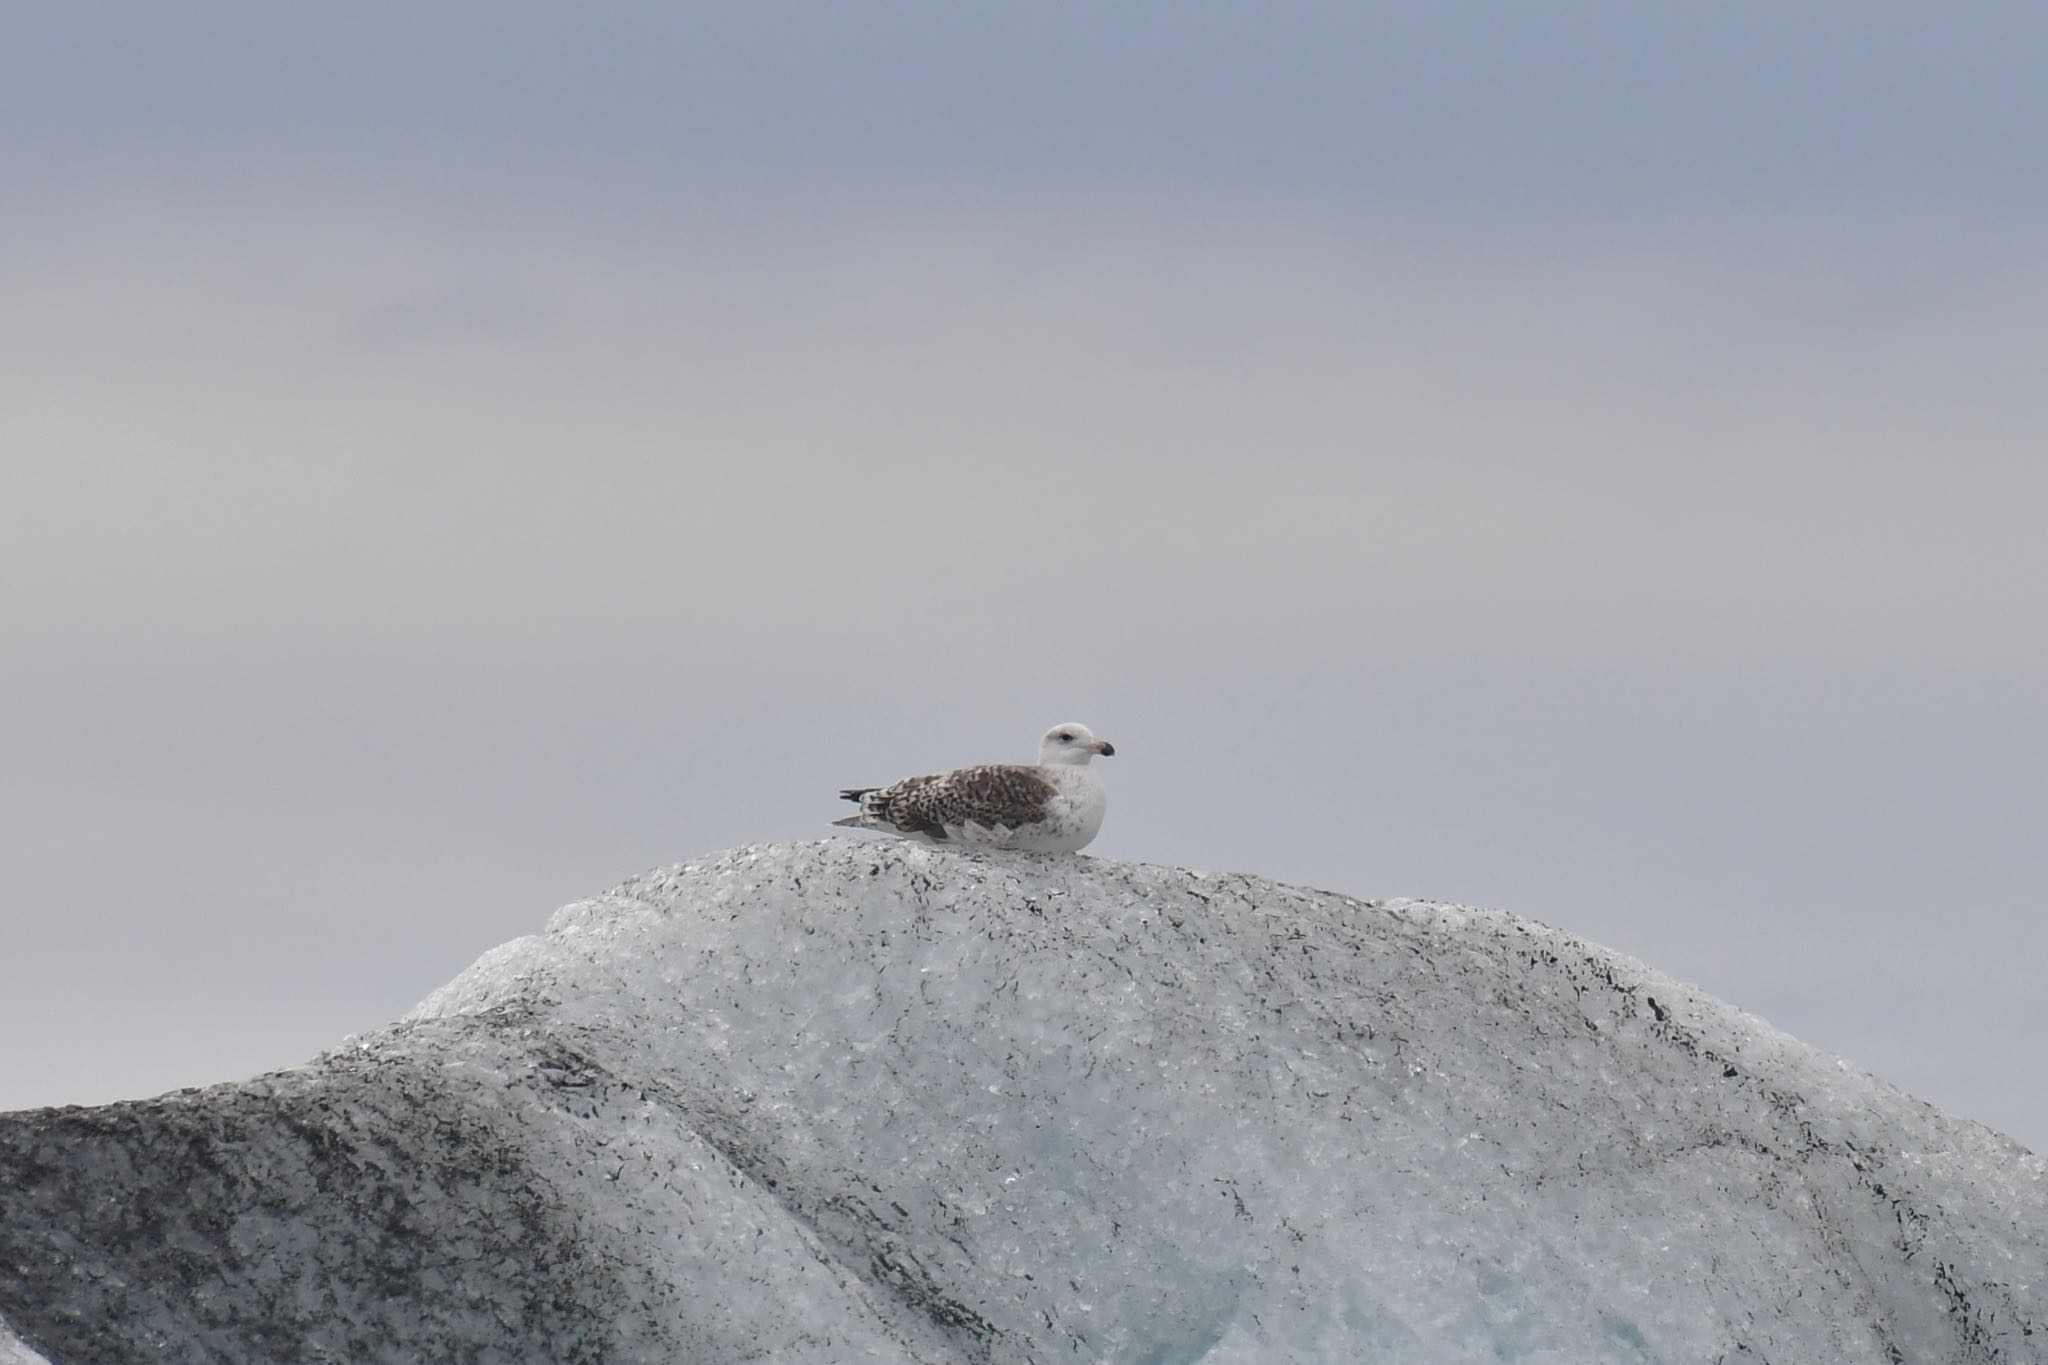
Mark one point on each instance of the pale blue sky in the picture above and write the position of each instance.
(1587, 462)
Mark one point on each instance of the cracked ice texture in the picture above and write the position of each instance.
(843, 1101)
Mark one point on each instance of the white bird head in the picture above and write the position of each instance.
(1072, 743)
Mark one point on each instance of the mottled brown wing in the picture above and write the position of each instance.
(1009, 794)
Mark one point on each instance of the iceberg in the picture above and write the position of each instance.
(871, 1101)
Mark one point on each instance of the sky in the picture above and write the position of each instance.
(1583, 459)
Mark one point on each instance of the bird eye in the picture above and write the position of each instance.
(1064, 737)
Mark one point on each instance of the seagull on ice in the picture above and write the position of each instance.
(1052, 806)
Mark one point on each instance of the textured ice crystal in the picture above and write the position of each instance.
(850, 1101)
(15, 1351)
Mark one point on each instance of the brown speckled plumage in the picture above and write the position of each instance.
(1052, 806)
(1010, 794)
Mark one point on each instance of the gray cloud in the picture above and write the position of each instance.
(415, 521)
(1448, 446)
(1497, 121)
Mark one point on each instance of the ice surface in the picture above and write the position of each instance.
(15, 1351)
(873, 1101)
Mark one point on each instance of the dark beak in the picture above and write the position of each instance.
(1104, 747)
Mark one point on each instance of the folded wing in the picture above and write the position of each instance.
(1010, 795)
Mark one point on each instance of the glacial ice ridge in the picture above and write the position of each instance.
(870, 1101)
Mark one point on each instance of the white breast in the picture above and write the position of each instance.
(1074, 815)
